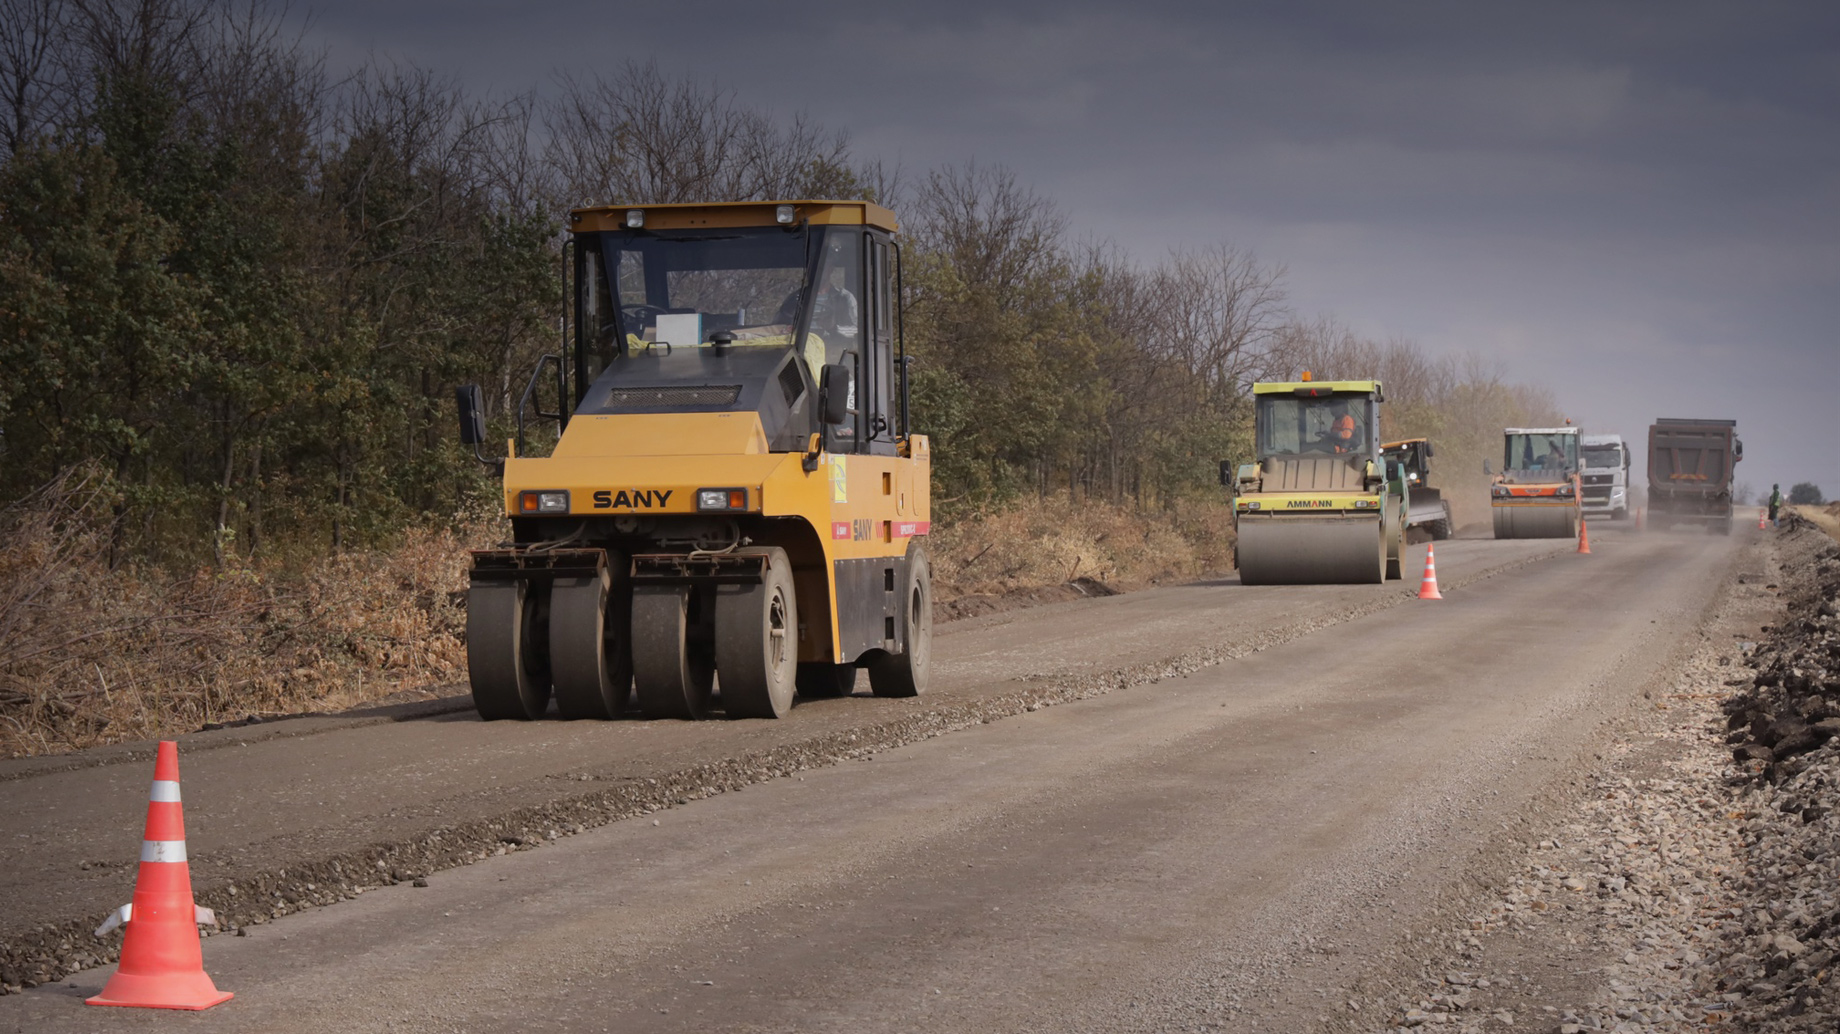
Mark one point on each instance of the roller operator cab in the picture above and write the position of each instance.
(735, 510)
(1536, 495)
(1320, 504)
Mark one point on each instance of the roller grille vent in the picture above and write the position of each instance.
(672, 399)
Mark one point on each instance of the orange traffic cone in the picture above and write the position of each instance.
(162, 961)
(1639, 518)
(1427, 589)
(1584, 536)
(1763, 518)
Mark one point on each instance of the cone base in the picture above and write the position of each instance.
(193, 991)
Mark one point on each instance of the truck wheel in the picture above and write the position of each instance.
(757, 650)
(505, 659)
(590, 643)
(672, 666)
(905, 674)
(820, 680)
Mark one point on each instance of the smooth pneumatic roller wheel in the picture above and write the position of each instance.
(1312, 551)
(1536, 522)
(590, 643)
(905, 674)
(757, 649)
(672, 664)
(505, 650)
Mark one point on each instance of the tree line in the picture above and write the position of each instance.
(243, 288)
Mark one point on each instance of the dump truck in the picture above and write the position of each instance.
(735, 511)
(1690, 469)
(1430, 510)
(1604, 476)
(1536, 494)
(1319, 504)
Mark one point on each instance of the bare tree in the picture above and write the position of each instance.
(635, 136)
(35, 70)
(1219, 312)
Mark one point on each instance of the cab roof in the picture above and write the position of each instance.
(1540, 430)
(733, 214)
(1335, 387)
(1402, 441)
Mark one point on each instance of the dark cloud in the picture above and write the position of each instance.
(1636, 204)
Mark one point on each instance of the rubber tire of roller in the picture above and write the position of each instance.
(673, 679)
(755, 668)
(905, 674)
(821, 680)
(590, 643)
(1443, 528)
(505, 667)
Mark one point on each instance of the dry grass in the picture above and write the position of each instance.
(1827, 518)
(1050, 542)
(91, 656)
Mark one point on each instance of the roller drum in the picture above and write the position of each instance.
(1536, 522)
(1311, 550)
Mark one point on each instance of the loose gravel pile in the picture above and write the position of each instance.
(1696, 886)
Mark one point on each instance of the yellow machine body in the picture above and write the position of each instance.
(1318, 504)
(734, 493)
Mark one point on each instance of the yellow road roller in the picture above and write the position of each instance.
(735, 511)
(1536, 495)
(1320, 504)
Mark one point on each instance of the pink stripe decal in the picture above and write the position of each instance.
(908, 529)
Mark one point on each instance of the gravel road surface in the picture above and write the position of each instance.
(1269, 827)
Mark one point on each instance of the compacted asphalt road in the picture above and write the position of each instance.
(1191, 808)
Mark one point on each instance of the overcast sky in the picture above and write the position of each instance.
(1634, 204)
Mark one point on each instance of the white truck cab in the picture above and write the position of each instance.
(1605, 476)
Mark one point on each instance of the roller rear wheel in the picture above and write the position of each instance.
(1394, 528)
(1443, 528)
(506, 642)
(672, 662)
(905, 674)
(757, 650)
(590, 643)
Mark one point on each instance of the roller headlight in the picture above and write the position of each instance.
(532, 503)
(721, 500)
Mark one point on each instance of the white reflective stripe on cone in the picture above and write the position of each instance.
(165, 791)
(162, 850)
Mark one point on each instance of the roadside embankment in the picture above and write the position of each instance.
(1694, 884)
(94, 653)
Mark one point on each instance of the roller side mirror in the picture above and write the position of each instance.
(472, 409)
(834, 394)
(472, 414)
